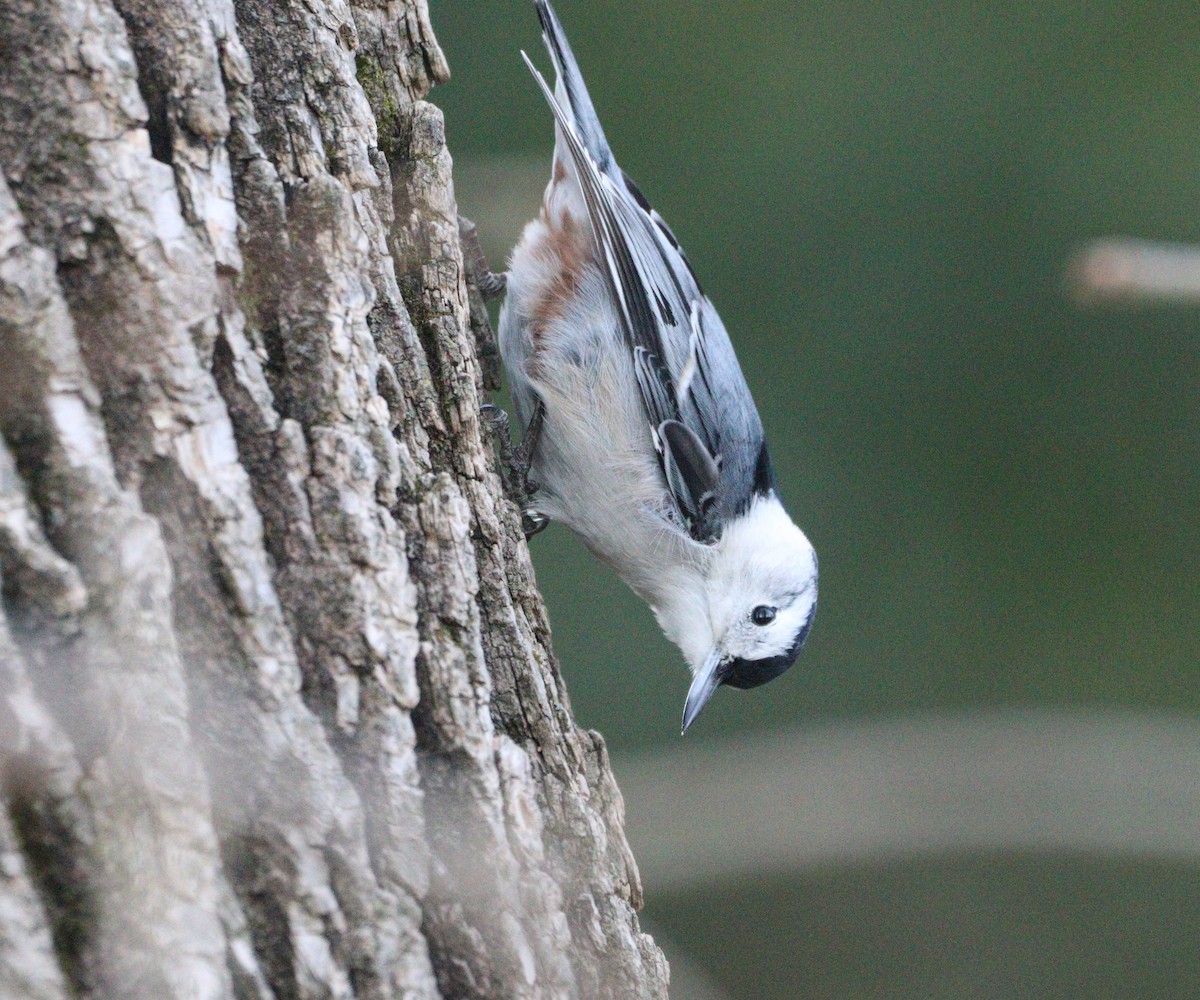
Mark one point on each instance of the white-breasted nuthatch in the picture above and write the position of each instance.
(641, 434)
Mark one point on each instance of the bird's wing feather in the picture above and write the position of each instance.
(702, 419)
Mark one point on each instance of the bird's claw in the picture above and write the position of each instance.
(515, 462)
(491, 284)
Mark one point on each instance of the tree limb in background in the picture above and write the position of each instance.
(278, 712)
(1116, 270)
(1085, 782)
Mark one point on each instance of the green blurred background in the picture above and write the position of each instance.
(1002, 486)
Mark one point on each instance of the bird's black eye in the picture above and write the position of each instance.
(762, 615)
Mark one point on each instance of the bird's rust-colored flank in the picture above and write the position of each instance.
(563, 252)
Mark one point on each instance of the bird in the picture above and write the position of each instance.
(640, 433)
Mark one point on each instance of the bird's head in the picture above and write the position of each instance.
(751, 607)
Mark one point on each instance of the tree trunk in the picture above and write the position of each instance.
(278, 712)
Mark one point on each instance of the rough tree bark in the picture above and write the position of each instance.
(278, 711)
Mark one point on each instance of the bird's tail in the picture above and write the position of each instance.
(571, 91)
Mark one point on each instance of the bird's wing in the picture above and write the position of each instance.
(702, 418)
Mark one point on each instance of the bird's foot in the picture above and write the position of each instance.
(482, 286)
(515, 463)
(491, 284)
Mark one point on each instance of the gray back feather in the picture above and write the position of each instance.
(702, 418)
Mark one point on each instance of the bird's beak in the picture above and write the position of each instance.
(706, 681)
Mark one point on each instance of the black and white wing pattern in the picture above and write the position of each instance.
(702, 418)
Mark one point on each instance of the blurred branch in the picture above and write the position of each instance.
(1119, 270)
(1112, 783)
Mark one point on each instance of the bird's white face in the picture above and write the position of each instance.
(762, 588)
(750, 610)
(766, 626)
